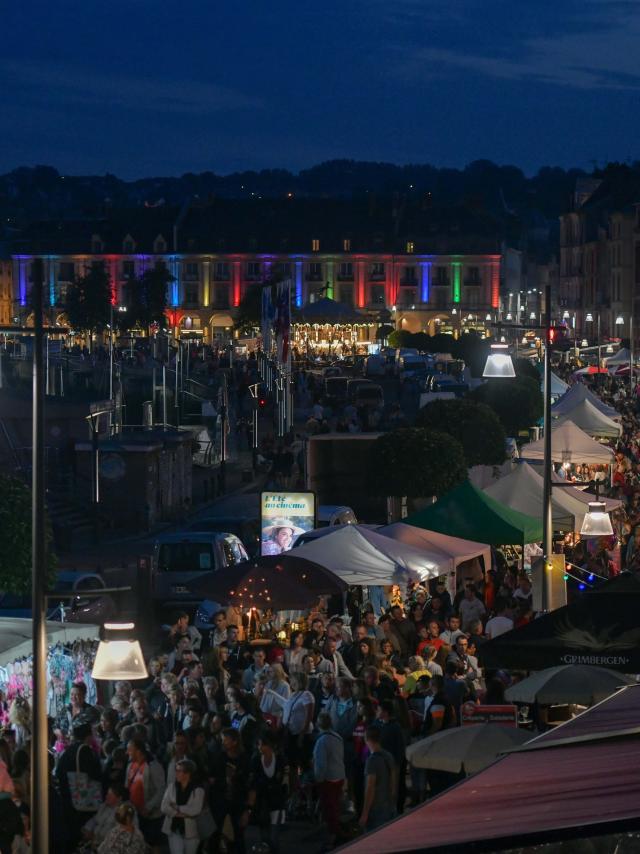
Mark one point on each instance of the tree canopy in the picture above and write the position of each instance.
(15, 543)
(249, 314)
(517, 402)
(474, 425)
(416, 463)
(88, 299)
(148, 297)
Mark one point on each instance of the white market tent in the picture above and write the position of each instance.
(359, 555)
(16, 636)
(585, 416)
(576, 394)
(558, 386)
(569, 444)
(622, 357)
(457, 549)
(523, 490)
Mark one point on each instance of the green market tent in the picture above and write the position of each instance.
(469, 513)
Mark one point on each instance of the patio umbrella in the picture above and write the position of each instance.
(281, 582)
(468, 748)
(582, 684)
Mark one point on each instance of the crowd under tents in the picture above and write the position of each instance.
(595, 423)
(523, 490)
(16, 636)
(569, 444)
(576, 394)
(601, 627)
(468, 512)
(548, 790)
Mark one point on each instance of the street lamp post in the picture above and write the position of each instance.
(40, 735)
(547, 521)
(497, 367)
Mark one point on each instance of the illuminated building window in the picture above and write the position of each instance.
(315, 245)
(346, 246)
(410, 247)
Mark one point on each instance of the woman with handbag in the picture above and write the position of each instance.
(79, 774)
(182, 804)
(267, 791)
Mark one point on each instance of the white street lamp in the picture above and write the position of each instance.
(597, 522)
(499, 363)
(509, 316)
(119, 655)
(488, 317)
(619, 320)
(589, 317)
(585, 343)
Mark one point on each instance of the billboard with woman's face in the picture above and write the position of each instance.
(283, 517)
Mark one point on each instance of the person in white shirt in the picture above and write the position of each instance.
(470, 608)
(297, 721)
(499, 624)
(453, 631)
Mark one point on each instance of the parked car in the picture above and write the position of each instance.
(335, 514)
(245, 529)
(187, 556)
(370, 396)
(400, 353)
(413, 366)
(336, 390)
(353, 387)
(375, 366)
(67, 602)
(447, 383)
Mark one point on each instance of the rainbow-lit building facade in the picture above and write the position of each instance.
(422, 286)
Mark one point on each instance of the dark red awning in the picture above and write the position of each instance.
(549, 789)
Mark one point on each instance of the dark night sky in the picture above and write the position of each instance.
(146, 87)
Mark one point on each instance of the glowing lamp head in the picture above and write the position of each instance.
(499, 363)
(597, 522)
(119, 655)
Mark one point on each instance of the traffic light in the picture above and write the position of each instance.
(262, 402)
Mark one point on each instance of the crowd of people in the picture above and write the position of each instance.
(229, 733)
